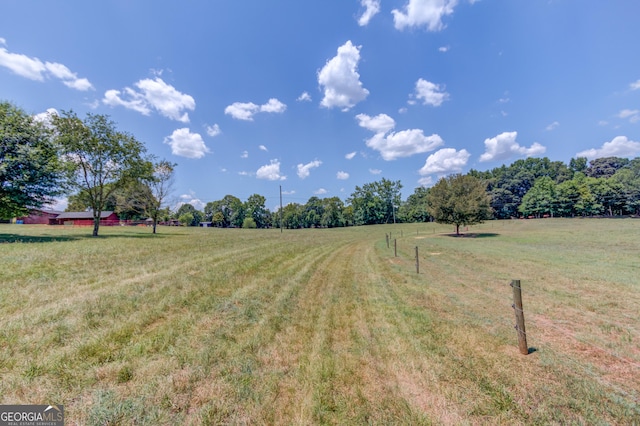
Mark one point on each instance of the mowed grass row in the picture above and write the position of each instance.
(209, 326)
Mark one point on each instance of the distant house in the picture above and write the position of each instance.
(86, 218)
(39, 217)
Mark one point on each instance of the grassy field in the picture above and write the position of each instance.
(210, 326)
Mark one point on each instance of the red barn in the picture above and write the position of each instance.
(39, 217)
(107, 218)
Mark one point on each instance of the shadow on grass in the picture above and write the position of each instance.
(17, 238)
(124, 235)
(474, 235)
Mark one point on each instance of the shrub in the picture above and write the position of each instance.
(249, 223)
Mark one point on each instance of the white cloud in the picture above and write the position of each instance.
(635, 85)
(620, 146)
(190, 198)
(426, 181)
(243, 173)
(350, 155)
(342, 175)
(45, 117)
(404, 143)
(381, 123)
(214, 130)
(35, 69)
(505, 146)
(396, 144)
(153, 95)
(340, 79)
(70, 79)
(320, 191)
(270, 171)
(263, 148)
(632, 114)
(274, 106)
(245, 154)
(446, 160)
(186, 144)
(246, 110)
(430, 93)
(136, 101)
(304, 97)
(375, 171)
(372, 7)
(552, 126)
(304, 170)
(443, 49)
(427, 13)
(242, 110)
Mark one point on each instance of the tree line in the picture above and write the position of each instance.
(103, 168)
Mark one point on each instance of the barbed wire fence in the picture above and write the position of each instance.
(401, 250)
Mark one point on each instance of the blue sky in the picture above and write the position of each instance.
(319, 97)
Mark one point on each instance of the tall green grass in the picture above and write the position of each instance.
(209, 326)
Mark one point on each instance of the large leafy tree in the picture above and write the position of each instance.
(31, 172)
(605, 167)
(460, 200)
(375, 202)
(415, 208)
(333, 212)
(628, 179)
(226, 212)
(188, 215)
(541, 199)
(104, 158)
(255, 209)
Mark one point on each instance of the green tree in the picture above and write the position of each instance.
(629, 180)
(249, 223)
(540, 199)
(333, 212)
(231, 209)
(195, 215)
(255, 209)
(415, 208)
(132, 201)
(218, 219)
(459, 200)
(375, 202)
(314, 209)
(605, 167)
(104, 159)
(160, 185)
(31, 172)
(186, 219)
(578, 164)
(507, 185)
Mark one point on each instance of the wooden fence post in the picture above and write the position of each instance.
(417, 261)
(517, 306)
(395, 247)
(387, 237)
